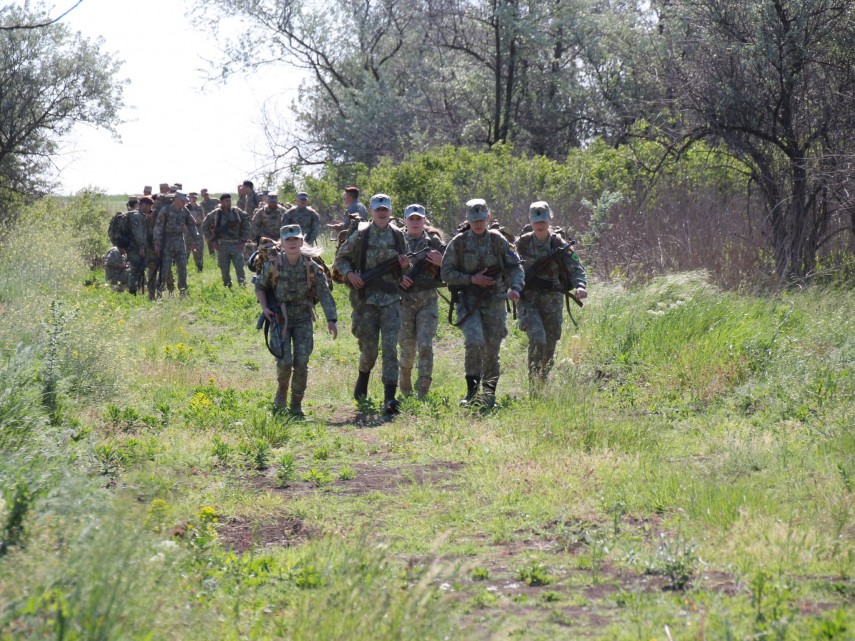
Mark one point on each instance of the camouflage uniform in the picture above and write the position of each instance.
(298, 292)
(267, 222)
(376, 307)
(419, 318)
(208, 206)
(153, 262)
(230, 228)
(357, 208)
(169, 239)
(308, 219)
(541, 309)
(249, 202)
(482, 309)
(116, 269)
(138, 229)
(197, 242)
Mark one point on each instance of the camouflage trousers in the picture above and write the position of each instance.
(371, 322)
(174, 251)
(483, 332)
(136, 279)
(540, 317)
(117, 277)
(230, 254)
(197, 248)
(297, 344)
(152, 268)
(419, 319)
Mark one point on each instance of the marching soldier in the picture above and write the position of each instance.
(552, 268)
(303, 215)
(227, 229)
(172, 221)
(483, 270)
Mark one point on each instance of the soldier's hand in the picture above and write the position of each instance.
(403, 261)
(581, 293)
(513, 295)
(483, 281)
(356, 280)
(268, 314)
(434, 257)
(406, 282)
(333, 329)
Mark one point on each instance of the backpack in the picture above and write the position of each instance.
(118, 230)
(361, 247)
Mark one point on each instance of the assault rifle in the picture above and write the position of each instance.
(390, 263)
(494, 271)
(419, 268)
(265, 324)
(535, 283)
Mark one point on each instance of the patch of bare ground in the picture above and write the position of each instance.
(241, 534)
(381, 477)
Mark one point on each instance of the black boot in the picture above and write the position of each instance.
(489, 400)
(391, 405)
(471, 389)
(360, 390)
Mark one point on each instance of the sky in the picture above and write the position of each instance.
(208, 136)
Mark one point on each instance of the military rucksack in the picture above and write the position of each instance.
(118, 231)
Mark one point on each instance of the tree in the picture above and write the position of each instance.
(50, 80)
(774, 81)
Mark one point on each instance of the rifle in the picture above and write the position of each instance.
(381, 268)
(265, 324)
(494, 271)
(535, 283)
(419, 268)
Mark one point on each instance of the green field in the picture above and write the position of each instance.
(688, 473)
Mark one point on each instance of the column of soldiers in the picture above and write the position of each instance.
(393, 273)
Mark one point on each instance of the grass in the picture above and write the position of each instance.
(690, 464)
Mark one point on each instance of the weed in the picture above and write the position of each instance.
(285, 471)
(255, 454)
(19, 500)
(346, 473)
(483, 599)
(318, 476)
(550, 596)
(676, 559)
(220, 450)
(307, 577)
(535, 574)
(481, 574)
(321, 453)
(275, 429)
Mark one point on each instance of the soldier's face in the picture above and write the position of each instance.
(540, 227)
(291, 246)
(478, 226)
(302, 202)
(226, 203)
(416, 225)
(380, 216)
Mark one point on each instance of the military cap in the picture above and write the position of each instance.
(133, 200)
(379, 201)
(290, 231)
(147, 199)
(192, 194)
(163, 186)
(273, 197)
(180, 195)
(302, 195)
(178, 186)
(476, 209)
(539, 212)
(146, 189)
(226, 197)
(204, 190)
(414, 210)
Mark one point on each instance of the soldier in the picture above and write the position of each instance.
(169, 245)
(376, 305)
(137, 227)
(484, 269)
(268, 220)
(541, 311)
(248, 200)
(420, 305)
(152, 260)
(227, 229)
(208, 205)
(296, 284)
(116, 269)
(303, 215)
(196, 243)
(146, 190)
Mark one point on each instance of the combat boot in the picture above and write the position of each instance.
(471, 390)
(297, 406)
(405, 381)
(424, 387)
(488, 400)
(281, 398)
(360, 390)
(391, 405)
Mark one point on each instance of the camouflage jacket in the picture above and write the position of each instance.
(209, 205)
(468, 254)
(138, 228)
(356, 208)
(531, 250)
(171, 222)
(227, 226)
(198, 213)
(308, 219)
(366, 248)
(424, 285)
(299, 286)
(249, 202)
(266, 222)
